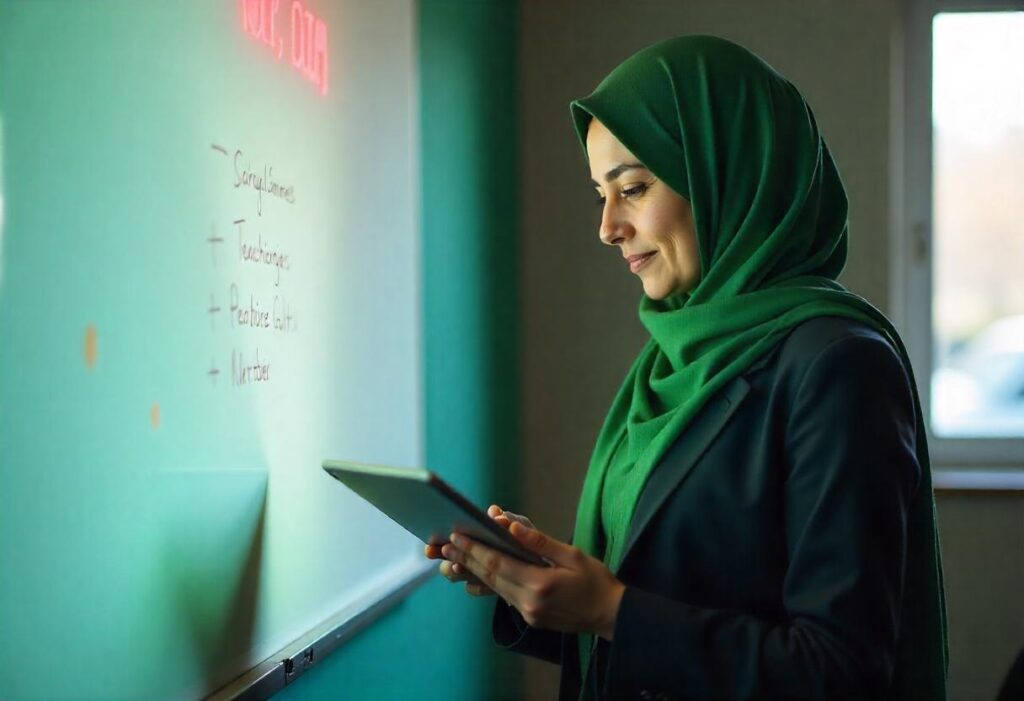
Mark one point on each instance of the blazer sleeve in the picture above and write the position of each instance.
(851, 472)
(512, 632)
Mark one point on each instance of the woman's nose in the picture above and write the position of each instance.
(614, 227)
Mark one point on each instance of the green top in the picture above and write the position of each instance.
(727, 132)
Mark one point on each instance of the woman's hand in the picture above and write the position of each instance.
(455, 572)
(578, 594)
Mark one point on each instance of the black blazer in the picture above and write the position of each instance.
(766, 557)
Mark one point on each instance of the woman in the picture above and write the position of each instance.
(757, 520)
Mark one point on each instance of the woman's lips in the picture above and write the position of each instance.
(636, 263)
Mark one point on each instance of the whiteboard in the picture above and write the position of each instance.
(209, 283)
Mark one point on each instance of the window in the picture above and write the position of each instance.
(963, 193)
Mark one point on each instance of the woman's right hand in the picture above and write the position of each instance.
(454, 572)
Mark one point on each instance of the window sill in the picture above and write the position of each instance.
(978, 480)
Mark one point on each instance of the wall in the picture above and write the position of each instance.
(982, 537)
(579, 321)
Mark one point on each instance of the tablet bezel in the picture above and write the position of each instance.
(502, 539)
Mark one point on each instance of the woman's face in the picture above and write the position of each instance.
(643, 217)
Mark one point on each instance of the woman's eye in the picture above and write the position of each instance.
(634, 191)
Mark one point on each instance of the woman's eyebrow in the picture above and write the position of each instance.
(617, 171)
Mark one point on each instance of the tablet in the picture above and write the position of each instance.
(426, 506)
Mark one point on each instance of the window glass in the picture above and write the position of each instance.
(978, 224)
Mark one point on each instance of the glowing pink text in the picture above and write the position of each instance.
(307, 35)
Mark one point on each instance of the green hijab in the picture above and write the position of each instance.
(727, 132)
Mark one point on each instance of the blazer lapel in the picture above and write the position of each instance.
(676, 464)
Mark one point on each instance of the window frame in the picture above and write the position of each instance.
(910, 281)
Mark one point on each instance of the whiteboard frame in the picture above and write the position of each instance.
(288, 664)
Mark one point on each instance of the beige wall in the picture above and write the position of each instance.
(580, 326)
(982, 537)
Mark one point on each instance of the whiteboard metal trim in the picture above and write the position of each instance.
(288, 664)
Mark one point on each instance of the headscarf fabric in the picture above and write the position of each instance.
(729, 133)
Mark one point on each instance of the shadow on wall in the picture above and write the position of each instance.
(212, 584)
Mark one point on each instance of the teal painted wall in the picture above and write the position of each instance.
(437, 644)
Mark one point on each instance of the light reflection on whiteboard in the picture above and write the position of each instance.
(1, 200)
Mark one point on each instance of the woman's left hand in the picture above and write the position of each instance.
(579, 594)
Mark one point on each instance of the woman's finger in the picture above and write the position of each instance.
(454, 572)
(522, 519)
(510, 517)
(448, 572)
(505, 518)
(462, 574)
(478, 589)
(505, 575)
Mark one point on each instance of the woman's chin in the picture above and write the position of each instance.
(655, 292)
(660, 292)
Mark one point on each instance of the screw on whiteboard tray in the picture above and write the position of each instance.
(307, 658)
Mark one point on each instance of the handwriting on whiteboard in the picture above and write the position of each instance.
(245, 176)
(260, 254)
(306, 33)
(255, 299)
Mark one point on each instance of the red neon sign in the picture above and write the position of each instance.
(306, 33)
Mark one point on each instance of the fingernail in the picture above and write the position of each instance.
(456, 539)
